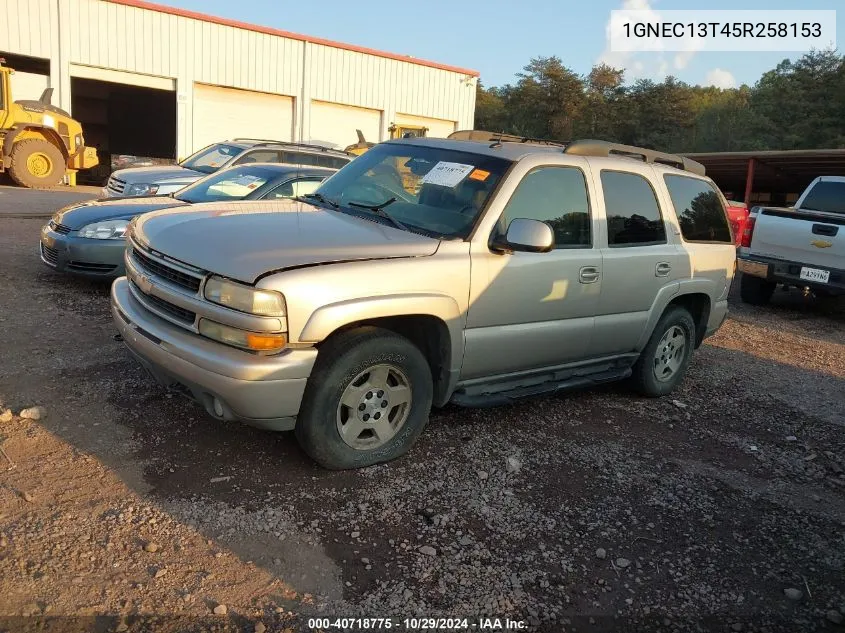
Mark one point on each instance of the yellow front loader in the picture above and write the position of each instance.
(39, 143)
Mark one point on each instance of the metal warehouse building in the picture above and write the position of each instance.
(150, 80)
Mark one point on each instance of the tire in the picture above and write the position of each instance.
(339, 435)
(661, 353)
(37, 163)
(755, 291)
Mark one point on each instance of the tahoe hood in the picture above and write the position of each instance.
(245, 240)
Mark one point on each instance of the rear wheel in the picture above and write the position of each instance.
(667, 355)
(755, 290)
(36, 163)
(367, 400)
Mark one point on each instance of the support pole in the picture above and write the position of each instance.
(749, 182)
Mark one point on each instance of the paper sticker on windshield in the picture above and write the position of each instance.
(479, 174)
(247, 181)
(447, 174)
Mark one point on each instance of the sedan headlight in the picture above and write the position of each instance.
(244, 298)
(140, 189)
(107, 230)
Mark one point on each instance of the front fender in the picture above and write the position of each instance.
(332, 317)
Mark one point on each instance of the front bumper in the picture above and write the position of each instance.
(67, 252)
(262, 391)
(788, 272)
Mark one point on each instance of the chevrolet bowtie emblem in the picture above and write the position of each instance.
(821, 243)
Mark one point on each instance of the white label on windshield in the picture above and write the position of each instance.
(447, 174)
(246, 180)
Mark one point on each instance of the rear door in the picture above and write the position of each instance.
(640, 257)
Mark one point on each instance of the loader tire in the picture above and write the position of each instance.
(36, 163)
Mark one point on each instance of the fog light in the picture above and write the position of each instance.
(218, 407)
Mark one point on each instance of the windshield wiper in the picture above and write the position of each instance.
(320, 198)
(378, 209)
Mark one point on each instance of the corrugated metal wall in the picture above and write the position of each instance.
(107, 35)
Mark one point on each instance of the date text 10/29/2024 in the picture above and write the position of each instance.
(416, 624)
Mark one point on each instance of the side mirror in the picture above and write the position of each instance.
(530, 236)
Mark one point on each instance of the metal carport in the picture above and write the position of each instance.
(781, 174)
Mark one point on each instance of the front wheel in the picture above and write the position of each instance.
(36, 163)
(667, 355)
(367, 400)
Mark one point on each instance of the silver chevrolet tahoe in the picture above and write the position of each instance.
(430, 271)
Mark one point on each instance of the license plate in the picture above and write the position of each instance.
(815, 274)
(753, 268)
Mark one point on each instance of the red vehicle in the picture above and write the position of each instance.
(737, 216)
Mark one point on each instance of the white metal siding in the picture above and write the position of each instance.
(336, 123)
(224, 113)
(438, 128)
(102, 34)
(28, 85)
(25, 26)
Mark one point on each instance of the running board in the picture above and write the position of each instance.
(494, 395)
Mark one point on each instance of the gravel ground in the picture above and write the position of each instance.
(719, 508)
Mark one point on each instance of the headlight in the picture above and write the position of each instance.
(140, 189)
(108, 230)
(244, 298)
(257, 342)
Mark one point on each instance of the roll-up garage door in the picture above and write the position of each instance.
(438, 128)
(225, 113)
(336, 123)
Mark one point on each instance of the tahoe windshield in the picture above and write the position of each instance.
(437, 191)
(211, 158)
(229, 184)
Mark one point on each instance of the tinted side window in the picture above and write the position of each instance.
(556, 196)
(699, 209)
(827, 196)
(336, 163)
(259, 156)
(633, 215)
(294, 188)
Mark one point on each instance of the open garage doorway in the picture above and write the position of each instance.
(129, 125)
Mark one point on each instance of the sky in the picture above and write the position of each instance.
(498, 37)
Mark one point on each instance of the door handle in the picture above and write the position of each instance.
(588, 275)
(662, 269)
(825, 229)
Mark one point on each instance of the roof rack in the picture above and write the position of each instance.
(483, 136)
(590, 147)
(585, 147)
(267, 143)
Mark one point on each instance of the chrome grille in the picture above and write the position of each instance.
(50, 255)
(180, 314)
(116, 185)
(59, 228)
(174, 276)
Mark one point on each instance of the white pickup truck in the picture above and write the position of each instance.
(802, 246)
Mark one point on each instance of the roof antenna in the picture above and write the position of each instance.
(497, 142)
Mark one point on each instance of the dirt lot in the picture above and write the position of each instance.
(722, 507)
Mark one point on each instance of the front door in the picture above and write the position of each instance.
(639, 259)
(534, 310)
